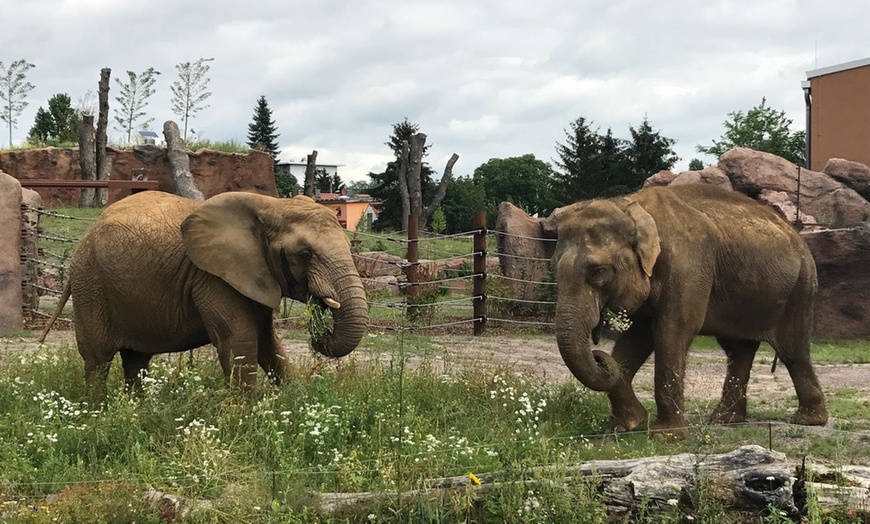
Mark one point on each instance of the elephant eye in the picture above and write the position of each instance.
(305, 255)
(599, 273)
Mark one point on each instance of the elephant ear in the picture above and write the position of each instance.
(648, 245)
(226, 238)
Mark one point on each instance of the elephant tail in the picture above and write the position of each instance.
(61, 302)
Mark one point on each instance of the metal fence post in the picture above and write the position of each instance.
(479, 224)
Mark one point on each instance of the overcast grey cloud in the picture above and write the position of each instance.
(484, 79)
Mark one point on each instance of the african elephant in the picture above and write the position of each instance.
(157, 273)
(683, 261)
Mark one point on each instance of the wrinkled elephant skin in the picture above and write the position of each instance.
(683, 261)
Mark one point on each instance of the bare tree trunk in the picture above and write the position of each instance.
(402, 175)
(440, 192)
(310, 174)
(103, 166)
(179, 163)
(87, 159)
(417, 145)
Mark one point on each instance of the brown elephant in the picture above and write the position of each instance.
(683, 261)
(157, 273)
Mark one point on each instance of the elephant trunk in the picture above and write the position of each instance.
(349, 320)
(578, 320)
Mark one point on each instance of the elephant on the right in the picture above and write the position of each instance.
(682, 261)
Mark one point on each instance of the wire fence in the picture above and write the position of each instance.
(433, 289)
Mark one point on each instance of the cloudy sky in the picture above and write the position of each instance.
(483, 78)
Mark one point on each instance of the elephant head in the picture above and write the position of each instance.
(604, 258)
(268, 248)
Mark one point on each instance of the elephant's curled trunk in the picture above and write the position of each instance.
(596, 369)
(349, 320)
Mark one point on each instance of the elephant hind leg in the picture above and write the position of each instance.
(135, 367)
(732, 406)
(795, 355)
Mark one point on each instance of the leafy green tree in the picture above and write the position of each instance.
(190, 91)
(133, 100)
(262, 132)
(645, 154)
(285, 183)
(13, 91)
(696, 164)
(761, 128)
(359, 186)
(385, 186)
(524, 181)
(59, 124)
(464, 196)
(590, 163)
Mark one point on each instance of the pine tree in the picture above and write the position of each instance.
(262, 132)
(589, 162)
(647, 153)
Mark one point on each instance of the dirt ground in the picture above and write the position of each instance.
(538, 355)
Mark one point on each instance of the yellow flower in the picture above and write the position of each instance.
(474, 479)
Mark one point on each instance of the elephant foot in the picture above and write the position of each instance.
(669, 429)
(627, 419)
(810, 417)
(723, 415)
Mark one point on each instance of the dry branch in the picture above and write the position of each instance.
(440, 192)
(402, 176)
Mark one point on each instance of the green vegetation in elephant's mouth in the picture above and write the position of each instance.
(319, 322)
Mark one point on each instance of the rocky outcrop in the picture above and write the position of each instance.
(710, 175)
(522, 255)
(11, 317)
(782, 204)
(832, 203)
(842, 258)
(853, 174)
(214, 171)
(662, 178)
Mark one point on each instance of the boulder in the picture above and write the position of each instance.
(662, 178)
(388, 284)
(782, 204)
(378, 264)
(11, 316)
(842, 256)
(710, 175)
(832, 203)
(853, 174)
(523, 249)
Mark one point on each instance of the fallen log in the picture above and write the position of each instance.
(179, 163)
(750, 478)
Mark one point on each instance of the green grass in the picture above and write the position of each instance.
(227, 146)
(370, 423)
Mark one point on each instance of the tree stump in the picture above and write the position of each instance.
(87, 158)
(179, 163)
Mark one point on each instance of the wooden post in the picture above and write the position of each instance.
(479, 224)
(412, 271)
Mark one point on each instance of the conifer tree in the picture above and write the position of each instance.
(262, 132)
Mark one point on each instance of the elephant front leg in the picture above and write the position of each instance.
(630, 351)
(239, 362)
(732, 407)
(271, 356)
(672, 341)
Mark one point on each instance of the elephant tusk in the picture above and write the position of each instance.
(331, 303)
